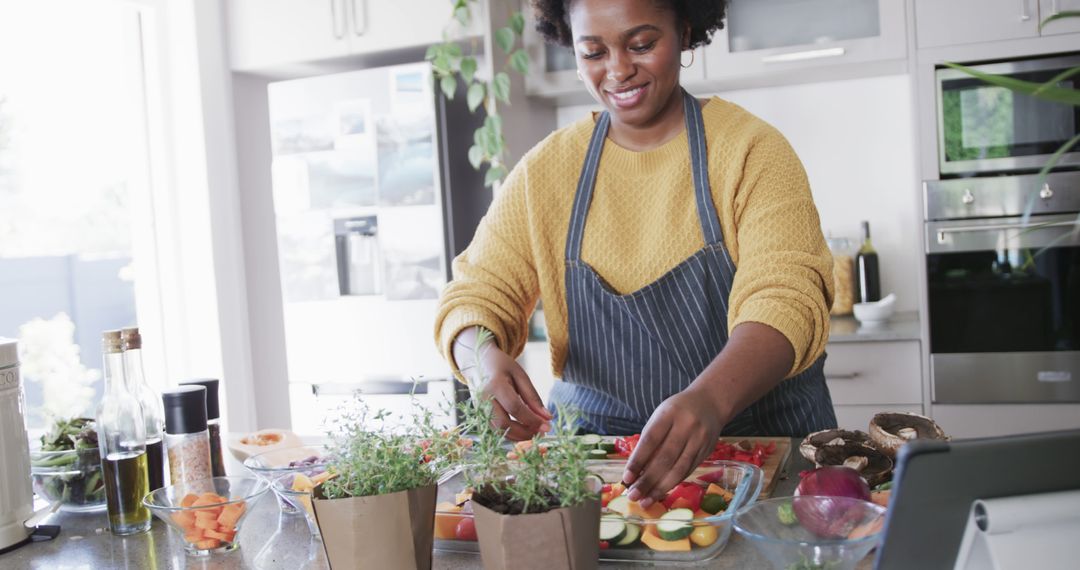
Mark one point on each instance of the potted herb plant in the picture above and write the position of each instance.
(537, 510)
(378, 508)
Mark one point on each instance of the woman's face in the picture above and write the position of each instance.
(628, 56)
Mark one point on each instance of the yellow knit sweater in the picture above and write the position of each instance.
(642, 223)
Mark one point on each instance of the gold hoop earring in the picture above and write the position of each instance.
(684, 66)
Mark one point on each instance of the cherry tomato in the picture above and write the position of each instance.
(466, 529)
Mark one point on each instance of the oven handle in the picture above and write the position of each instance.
(999, 227)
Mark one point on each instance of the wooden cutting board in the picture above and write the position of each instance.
(774, 463)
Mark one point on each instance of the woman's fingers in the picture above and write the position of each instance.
(514, 430)
(683, 466)
(529, 395)
(650, 452)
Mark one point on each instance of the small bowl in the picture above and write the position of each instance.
(207, 527)
(848, 530)
(273, 464)
(299, 501)
(875, 313)
(73, 477)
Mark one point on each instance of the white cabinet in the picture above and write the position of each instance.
(954, 22)
(777, 37)
(1048, 8)
(269, 34)
(865, 378)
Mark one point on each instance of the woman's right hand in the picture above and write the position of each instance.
(515, 404)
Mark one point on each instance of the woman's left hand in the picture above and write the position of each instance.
(679, 436)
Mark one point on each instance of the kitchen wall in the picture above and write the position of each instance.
(857, 142)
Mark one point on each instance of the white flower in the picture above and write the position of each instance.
(49, 356)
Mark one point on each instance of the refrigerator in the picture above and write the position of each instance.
(373, 197)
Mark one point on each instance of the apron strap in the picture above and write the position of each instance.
(695, 133)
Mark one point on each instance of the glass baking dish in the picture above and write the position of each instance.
(740, 483)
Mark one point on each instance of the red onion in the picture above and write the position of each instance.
(831, 519)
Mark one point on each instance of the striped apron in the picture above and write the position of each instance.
(628, 353)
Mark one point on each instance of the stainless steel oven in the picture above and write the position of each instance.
(1004, 289)
(987, 129)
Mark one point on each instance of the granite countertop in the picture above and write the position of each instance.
(271, 540)
(900, 326)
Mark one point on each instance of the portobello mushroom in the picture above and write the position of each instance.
(891, 430)
(872, 464)
(809, 446)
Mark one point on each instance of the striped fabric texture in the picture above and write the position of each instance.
(628, 353)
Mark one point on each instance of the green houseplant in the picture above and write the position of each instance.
(451, 64)
(378, 508)
(537, 510)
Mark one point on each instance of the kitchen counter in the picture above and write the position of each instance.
(900, 326)
(271, 540)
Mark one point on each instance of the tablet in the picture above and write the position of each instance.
(936, 482)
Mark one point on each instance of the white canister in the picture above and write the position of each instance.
(16, 494)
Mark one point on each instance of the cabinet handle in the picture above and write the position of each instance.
(849, 376)
(1024, 16)
(804, 55)
(359, 17)
(334, 21)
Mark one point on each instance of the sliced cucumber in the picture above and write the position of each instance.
(607, 446)
(633, 533)
(590, 440)
(675, 524)
(612, 528)
(620, 504)
(597, 454)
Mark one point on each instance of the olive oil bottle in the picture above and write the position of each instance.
(122, 443)
(868, 278)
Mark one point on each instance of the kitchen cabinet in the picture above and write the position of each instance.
(268, 34)
(869, 377)
(954, 22)
(779, 37)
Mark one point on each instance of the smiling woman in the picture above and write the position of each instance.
(676, 249)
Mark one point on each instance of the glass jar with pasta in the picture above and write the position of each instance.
(843, 253)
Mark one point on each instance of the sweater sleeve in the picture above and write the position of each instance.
(494, 282)
(784, 278)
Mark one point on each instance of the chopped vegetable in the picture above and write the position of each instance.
(446, 522)
(675, 524)
(633, 533)
(704, 535)
(466, 529)
(689, 492)
(612, 528)
(786, 513)
(712, 503)
(651, 539)
(209, 523)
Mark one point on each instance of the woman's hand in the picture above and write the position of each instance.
(515, 404)
(679, 436)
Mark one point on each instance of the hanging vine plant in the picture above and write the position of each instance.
(451, 65)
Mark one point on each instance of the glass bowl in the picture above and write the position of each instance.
(207, 514)
(297, 496)
(841, 531)
(706, 535)
(272, 465)
(73, 477)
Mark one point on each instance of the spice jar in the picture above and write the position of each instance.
(213, 423)
(843, 254)
(187, 440)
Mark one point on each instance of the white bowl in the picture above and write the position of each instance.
(876, 312)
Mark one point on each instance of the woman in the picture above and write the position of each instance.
(675, 246)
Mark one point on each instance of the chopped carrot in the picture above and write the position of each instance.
(188, 500)
(715, 489)
(682, 503)
(206, 524)
(194, 535)
(184, 518)
(208, 544)
(216, 535)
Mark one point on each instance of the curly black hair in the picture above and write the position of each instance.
(704, 17)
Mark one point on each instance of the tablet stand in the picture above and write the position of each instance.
(1026, 532)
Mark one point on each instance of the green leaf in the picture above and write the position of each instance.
(475, 96)
(1047, 93)
(489, 141)
(494, 122)
(517, 23)
(504, 37)
(441, 63)
(476, 156)
(432, 51)
(1059, 16)
(1054, 158)
(448, 85)
(1057, 79)
(494, 174)
(500, 87)
(468, 69)
(452, 50)
(461, 14)
(519, 60)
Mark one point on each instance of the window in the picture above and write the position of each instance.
(76, 231)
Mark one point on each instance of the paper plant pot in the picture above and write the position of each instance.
(381, 531)
(562, 538)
